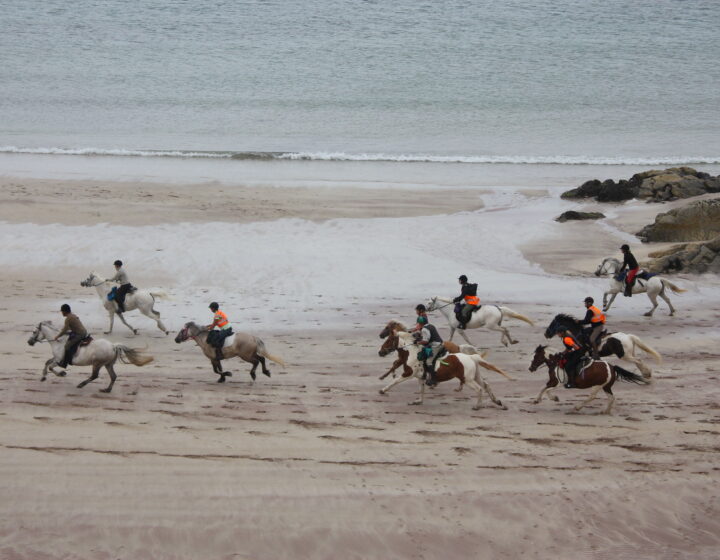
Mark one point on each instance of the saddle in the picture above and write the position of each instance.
(641, 275)
(85, 341)
(217, 338)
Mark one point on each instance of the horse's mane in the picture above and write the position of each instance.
(398, 325)
(564, 317)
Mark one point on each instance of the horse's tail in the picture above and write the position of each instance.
(133, 356)
(468, 349)
(510, 313)
(477, 358)
(262, 351)
(673, 287)
(159, 293)
(629, 376)
(645, 348)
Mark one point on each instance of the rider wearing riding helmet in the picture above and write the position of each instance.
(219, 329)
(631, 263)
(432, 343)
(573, 352)
(596, 319)
(468, 294)
(422, 318)
(76, 332)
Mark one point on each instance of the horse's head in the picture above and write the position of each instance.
(432, 305)
(38, 335)
(391, 327)
(538, 358)
(609, 265)
(390, 345)
(190, 330)
(91, 281)
(561, 323)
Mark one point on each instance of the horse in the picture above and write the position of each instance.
(246, 346)
(464, 367)
(141, 300)
(391, 346)
(488, 316)
(654, 286)
(618, 344)
(98, 353)
(597, 374)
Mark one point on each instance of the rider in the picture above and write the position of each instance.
(429, 338)
(422, 318)
(76, 332)
(596, 319)
(631, 263)
(468, 294)
(220, 329)
(121, 278)
(573, 352)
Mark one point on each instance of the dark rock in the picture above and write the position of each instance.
(698, 221)
(695, 258)
(573, 215)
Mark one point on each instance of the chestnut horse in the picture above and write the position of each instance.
(391, 345)
(463, 367)
(597, 374)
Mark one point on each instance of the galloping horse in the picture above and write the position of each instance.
(391, 345)
(597, 374)
(464, 367)
(246, 346)
(98, 353)
(141, 300)
(488, 316)
(654, 287)
(617, 344)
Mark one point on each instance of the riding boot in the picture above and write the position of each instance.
(219, 354)
(429, 375)
(628, 290)
(570, 383)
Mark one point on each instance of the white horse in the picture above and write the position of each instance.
(488, 316)
(99, 353)
(141, 300)
(654, 287)
(464, 367)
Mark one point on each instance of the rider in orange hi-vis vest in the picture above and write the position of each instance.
(219, 329)
(468, 295)
(596, 319)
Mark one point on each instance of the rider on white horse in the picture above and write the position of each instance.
(76, 333)
(468, 294)
(121, 278)
(596, 319)
(220, 329)
(633, 268)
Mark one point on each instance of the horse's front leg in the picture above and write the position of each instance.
(607, 305)
(420, 399)
(45, 369)
(112, 322)
(593, 394)
(551, 384)
(393, 383)
(396, 364)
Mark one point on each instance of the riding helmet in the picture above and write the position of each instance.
(420, 307)
(624, 247)
(463, 278)
(589, 300)
(214, 306)
(65, 308)
(118, 263)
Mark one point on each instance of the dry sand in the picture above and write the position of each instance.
(313, 462)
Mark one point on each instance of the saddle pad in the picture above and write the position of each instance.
(229, 341)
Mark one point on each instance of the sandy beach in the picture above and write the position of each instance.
(313, 462)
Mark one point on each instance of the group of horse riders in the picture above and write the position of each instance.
(77, 332)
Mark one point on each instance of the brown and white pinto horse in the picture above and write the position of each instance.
(463, 367)
(597, 374)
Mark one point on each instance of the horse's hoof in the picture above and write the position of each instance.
(81, 385)
(105, 390)
(62, 373)
(648, 314)
(167, 333)
(513, 342)
(226, 374)
(536, 401)
(43, 378)
(107, 332)
(135, 331)
(476, 408)
(413, 403)
(222, 379)
(266, 373)
(556, 399)
(503, 407)
(380, 391)
(252, 375)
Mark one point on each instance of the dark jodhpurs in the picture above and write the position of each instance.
(593, 334)
(120, 296)
(71, 345)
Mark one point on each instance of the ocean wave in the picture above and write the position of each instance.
(377, 157)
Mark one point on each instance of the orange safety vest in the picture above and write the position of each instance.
(220, 319)
(598, 316)
(472, 300)
(569, 341)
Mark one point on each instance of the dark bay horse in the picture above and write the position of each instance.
(622, 345)
(597, 375)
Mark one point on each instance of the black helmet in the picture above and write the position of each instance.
(589, 300)
(463, 278)
(214, 306)
(65, 308)
(118, 263)
(420, 307)
(625, 247)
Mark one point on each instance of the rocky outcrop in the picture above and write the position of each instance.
(695, 258)
(653, 186)
(698, 221)
(573, 215)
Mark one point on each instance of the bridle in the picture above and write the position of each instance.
(88, 281)
(433, 306)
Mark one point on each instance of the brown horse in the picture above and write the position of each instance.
(597, 374)
(247, 347)
(463, 367)
(391, 344)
